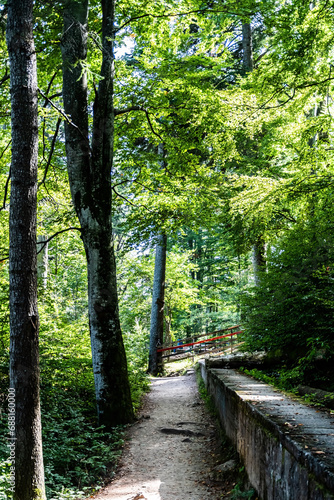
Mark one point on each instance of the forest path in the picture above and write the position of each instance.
(172, 448)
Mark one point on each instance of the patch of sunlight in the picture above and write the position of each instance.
(148, 490)
(179, 366)
(258, 397)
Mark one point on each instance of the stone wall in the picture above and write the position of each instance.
(277, 467)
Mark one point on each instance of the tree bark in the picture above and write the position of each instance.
(89, 169)
(259, 260)
(247, 47)
(24, 322)
(259, 248)
(157, 311)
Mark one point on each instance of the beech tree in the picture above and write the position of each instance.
(89, 169)
(24, 322)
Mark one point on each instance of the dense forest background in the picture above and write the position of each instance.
(222, 142)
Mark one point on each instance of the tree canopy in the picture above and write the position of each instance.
(151, 121)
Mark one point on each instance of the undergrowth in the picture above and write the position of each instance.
(78, 453)
(287, 380)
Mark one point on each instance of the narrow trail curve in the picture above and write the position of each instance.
(171, 449)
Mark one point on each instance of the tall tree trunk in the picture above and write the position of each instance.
(157, 311)
(89, 169)
(259, 248)
(24, 323)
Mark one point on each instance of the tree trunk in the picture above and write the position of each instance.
(24, 323)
(259, 249)
(89, 169)
(247, 47)
(259, 260)
(157, 311)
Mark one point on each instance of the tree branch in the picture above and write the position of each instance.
(151, 126)
(49, 87)
(53, 143)
(6, 191)
(287, 217)
(130, 202)
(3, 152)
(45, 242)
(118, 112)
(62, 113)
(123, 197)
(175, 14)
(4, 78)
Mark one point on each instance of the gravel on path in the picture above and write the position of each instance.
(171, 449)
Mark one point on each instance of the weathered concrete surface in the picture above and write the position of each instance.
(287, 448)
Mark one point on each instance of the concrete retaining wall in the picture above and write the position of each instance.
(277, 467)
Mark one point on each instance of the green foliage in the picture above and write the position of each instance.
(208, 400)
(77, 452)
(136, 343)
(238, 493)
(292, 307)
(246, 157)
(283, 378)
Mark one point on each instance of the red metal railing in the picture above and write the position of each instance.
(211, 341)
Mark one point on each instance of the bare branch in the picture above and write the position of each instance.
(4, 78)
(62, 113)
(287, 217)
(97, 42)
(3, 152)
(53, 143)
(130, 202)
(123, 197)
(45, 242)
(151, 126)
(6, 191)
(8, 179)
(57, 94)
(49, 87)
(118, 112)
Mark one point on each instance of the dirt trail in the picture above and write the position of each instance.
(171, 449)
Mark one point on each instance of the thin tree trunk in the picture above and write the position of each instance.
(157, 311)
(259, 260)
(259, 248)
(42, 260)
(24, 322)
(247, 47)
(89, 169)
